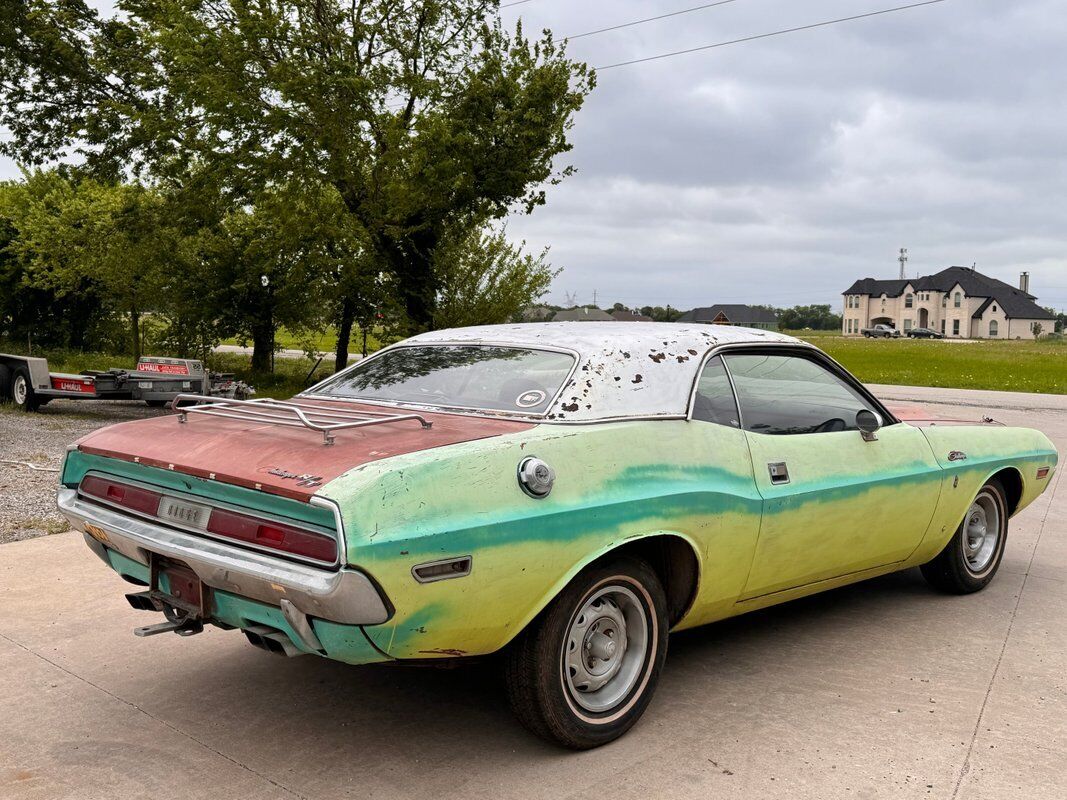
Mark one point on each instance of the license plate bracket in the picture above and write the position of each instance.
(184, 589)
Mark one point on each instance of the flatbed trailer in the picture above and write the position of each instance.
(27, 382)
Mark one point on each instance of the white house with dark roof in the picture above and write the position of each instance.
(957, 302)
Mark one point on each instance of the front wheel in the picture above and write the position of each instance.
(584, 671)
(972, 557)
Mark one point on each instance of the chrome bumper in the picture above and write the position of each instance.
(346, 596)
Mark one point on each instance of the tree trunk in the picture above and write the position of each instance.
(344, 334)
(262, 344)
(135, 333)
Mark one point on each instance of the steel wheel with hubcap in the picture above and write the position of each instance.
(584, 671)
(971, 558)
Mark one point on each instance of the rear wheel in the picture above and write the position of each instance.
(22, 393)
(972, 557)
(584, 672)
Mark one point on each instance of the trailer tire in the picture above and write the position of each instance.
(5, 382)
(22, 393)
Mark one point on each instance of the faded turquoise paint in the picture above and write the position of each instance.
(341, 642)
(78, 463)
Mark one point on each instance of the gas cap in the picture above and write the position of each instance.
(536, 477)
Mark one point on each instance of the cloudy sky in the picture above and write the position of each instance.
(777, 171)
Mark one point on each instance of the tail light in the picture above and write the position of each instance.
(221, 522)
(275, 535)
(135, 498)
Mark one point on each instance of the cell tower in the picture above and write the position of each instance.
(903, 259)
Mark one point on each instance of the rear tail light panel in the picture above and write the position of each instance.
(242, 527)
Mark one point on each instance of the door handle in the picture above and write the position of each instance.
(779, 472)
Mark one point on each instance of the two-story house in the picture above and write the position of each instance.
(958, 302)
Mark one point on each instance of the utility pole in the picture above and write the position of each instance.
(594, 298)
(903, 259)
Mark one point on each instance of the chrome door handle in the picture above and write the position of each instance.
(779, 472)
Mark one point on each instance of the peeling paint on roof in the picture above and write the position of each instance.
(643, 369)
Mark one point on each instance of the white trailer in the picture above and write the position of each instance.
(27, 382)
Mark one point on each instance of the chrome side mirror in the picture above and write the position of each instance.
(868, 423)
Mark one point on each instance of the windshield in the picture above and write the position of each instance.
(457, 376)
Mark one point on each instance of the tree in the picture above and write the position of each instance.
(422, 117)
(485, 279)
(816, 317)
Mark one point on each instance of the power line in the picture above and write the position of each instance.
(650, 19)
(768, 35)
(516, 3)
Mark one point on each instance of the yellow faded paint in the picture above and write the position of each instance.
(617, 482)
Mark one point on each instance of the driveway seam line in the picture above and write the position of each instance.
(153, 717)
(966, 768)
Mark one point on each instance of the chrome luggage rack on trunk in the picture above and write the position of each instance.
(292, 414)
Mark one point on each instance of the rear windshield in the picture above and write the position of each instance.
(458, 376)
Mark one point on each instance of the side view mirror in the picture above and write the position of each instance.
(868, 423)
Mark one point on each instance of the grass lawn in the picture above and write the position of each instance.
(324, 342)
(1010, 366)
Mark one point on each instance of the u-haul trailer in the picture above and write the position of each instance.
(28, 383)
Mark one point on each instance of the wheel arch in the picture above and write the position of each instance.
(1012, 481)
(674, 557)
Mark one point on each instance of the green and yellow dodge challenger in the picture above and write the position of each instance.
(562, 494)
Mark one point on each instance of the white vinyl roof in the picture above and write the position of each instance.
(624, 369)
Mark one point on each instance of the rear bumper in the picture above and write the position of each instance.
(345, 596)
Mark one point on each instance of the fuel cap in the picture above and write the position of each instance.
(536, 477)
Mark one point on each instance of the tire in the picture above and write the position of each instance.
(22, 394)
(969, 561)
(601, 605)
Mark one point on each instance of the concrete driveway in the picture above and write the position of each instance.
(883, 689)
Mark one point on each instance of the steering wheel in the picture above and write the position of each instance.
(831, 426)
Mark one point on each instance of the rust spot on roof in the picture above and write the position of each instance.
(657, 357)
(637, 378)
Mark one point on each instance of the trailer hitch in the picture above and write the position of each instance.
(184, 604)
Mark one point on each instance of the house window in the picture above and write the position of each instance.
(907, 325)
(994, 308)
(909, 301)
(956, 326)
(942, 327)
(993, 327)
(958, 299)
(944, 301)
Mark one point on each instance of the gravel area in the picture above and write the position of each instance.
(28, 496)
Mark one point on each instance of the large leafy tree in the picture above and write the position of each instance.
(422, 115)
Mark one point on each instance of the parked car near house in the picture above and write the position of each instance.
(563, 494)
(881, 331)
(924, 333)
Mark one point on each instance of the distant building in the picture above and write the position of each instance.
(957, 302)
(743, 316)
(582, 315)
(626, 315)
(537, 314)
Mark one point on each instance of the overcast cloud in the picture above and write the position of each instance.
(778, 171)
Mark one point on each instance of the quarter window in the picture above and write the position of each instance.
(786, 394)
(714, 400)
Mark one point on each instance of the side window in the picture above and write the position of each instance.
(786, 394)
(714, 399)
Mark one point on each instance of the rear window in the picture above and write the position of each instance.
(477, 377)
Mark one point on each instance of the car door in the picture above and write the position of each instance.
(834, 502)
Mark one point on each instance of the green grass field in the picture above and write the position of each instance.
(1010, 366)
(324, 342)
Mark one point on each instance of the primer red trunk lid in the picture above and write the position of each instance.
(274, 459)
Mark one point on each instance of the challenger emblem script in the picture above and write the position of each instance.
(301, 480)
